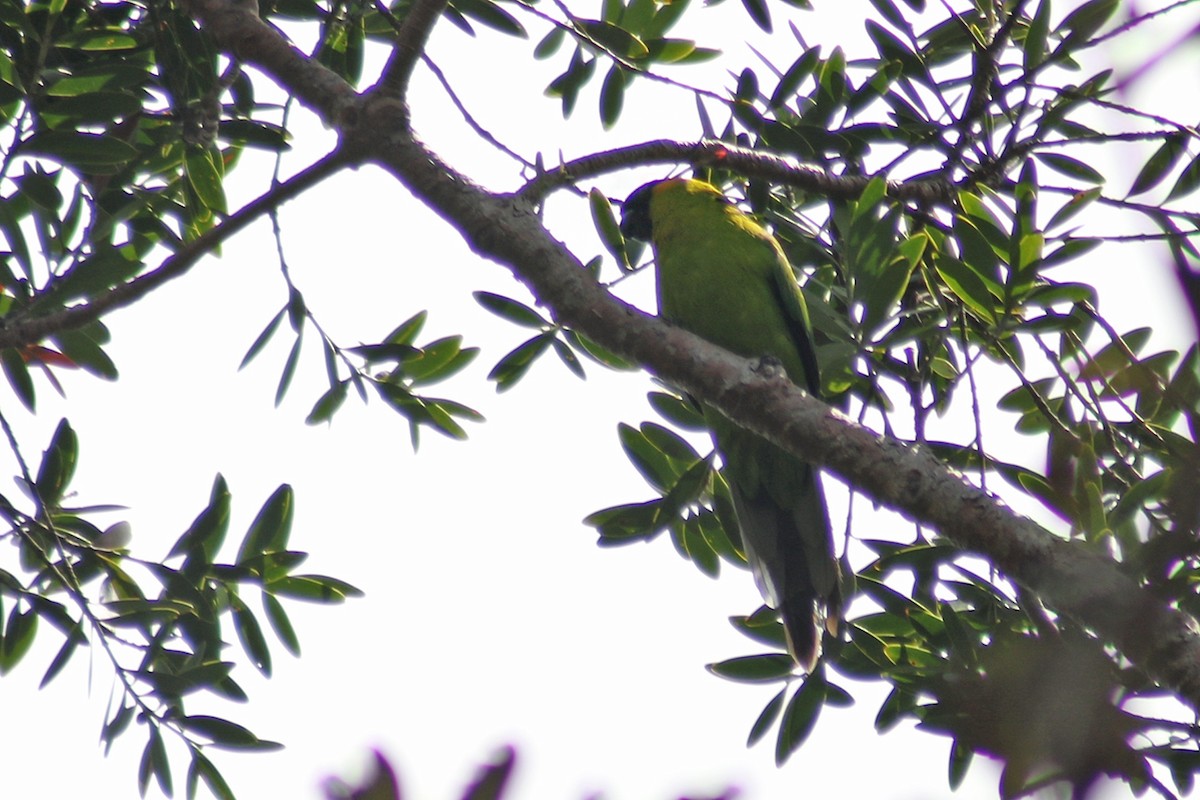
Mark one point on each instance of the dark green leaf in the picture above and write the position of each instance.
(58, 464)
(766, 668)
(271, 527)
(1082, 23)
(250, 634)
(289, 370)
(800, 716)
(612, 96)
(491, 15)
(766, 719)
(614, 39)
(74, 639)
(513, 366)
(92, 153)
(316, 588)
(206, 172)
(19, 633)
(202, 768)
(960, 754)
(550, 43)
(606, 225)
(207, 531)
(1071, 167)
(328, 404)
(1156, 169)
(967, 286)
(280, 623)
(1034, 47)
(225, 734)
(758, 11)
(511, 310)
(263, 338)
(1188, 180)
(18, 376)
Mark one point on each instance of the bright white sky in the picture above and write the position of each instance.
(490, 616)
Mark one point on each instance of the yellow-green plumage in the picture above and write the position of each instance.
(724, 277)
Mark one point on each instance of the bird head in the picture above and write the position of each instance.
(635, 213)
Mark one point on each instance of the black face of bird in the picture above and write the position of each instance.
(635, 213)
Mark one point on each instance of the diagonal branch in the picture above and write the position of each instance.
(408, 47)
(20, 330)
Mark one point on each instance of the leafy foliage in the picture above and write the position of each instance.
(935, 242)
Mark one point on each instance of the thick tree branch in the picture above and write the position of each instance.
(250, 40)
(1069, 577)
(409, 47)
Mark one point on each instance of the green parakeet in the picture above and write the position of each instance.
(722, 276)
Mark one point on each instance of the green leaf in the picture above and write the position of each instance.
(97, 274)
(1188, 180)
(250, 634)
(289, 370)
(766, 719)
(1077, 203)
(271, 527)
(606, 225)
(225, 734)
(328, 404)
(677, 411)
(612, 96)
(888, 10)
(155, 763)
(1156, 169)
(58, 464)
(280, 623)
(1083, 23)
(256, 133)
(91, 153)
(513, 366)
(207, 532)
(960, 755)
(631, 522)
(206, 172)
(406, 332)
(1034, 47)
(967, 286)
(567, 356)
(315, 588)
(616, 40)
(18, 376)
(75, 638)
(508, 309)
(800, 69)
(491, 15)
(202, 769)
(800, 716)
(116, 726)
(263, 338)
(766, 668)
(19, 633)
(758, 11)
(657, 467)
(1071, 167)
(550, 43)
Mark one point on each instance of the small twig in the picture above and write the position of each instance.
(481, 131)
(25, 328)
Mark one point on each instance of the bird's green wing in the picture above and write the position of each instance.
(791, 298)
